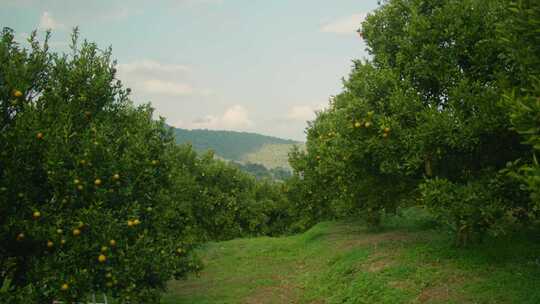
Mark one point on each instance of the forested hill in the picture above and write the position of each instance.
(230, 145)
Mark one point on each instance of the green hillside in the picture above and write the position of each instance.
(271, 155)
(239, 146)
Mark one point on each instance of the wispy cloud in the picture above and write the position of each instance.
(153, 78)
(47, 22)
(346, 25)
(156, 86)
(303, 113)
(150, 66)
(234, 118)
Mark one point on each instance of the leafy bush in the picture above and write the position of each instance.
(471, 210)
(519, 35)
(427, 105)
(85, 179)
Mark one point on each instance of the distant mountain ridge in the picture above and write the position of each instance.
(239, 146)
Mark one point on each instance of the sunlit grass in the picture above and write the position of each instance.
(408, 261)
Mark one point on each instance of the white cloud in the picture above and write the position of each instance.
(151, 78)
(234, 118)
(303, 112)
(47, 22)
(151, 66)
(345, 25)
(156, 86)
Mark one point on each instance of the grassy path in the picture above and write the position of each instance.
(339, 262)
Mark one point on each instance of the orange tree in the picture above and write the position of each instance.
(422, 118)
(218, 201)
(519, 36)
(232, 203)
(86, 182)
(354, 148)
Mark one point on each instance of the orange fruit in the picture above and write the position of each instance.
(102, 258)
(76, 232)
(112, 243)
(64, 287)
(17, 93)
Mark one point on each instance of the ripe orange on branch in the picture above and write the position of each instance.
(17, 93)
(102, 258)
(36, 215)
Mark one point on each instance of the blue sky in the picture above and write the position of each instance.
(247, 65)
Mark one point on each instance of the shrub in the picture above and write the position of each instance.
(85, 179)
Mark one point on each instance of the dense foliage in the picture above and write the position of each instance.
(228, 202)
(428, 118)
(521, 39)
(85, 181)
(261, 172)
(96, 196)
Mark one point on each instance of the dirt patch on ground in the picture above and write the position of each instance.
(443, 292)
(380, 260)
(285, 292)
(375, 239)
(379, 265)
(403, 285)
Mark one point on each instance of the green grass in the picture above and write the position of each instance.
(343, 262)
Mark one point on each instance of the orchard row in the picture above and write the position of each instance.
(444, 114)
